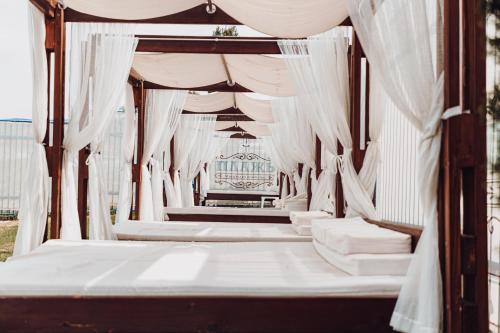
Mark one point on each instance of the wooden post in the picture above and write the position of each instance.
(55, 153)
(317, 156)
(139, 99)
(355, 102)
(83, 181)
(280, 183)
(462, 196)
(473, 162)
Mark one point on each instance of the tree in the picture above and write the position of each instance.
(225, 31)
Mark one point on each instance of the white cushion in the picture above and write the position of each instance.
(302, 230)
(366, 264)
(305, 218)
(358, 236)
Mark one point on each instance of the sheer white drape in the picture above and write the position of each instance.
(322, 80)
(108, 58)
(34, 196)
(197, 156)
(399, 40)
(183, 143)
(163, 112)
(127, 155)
(293, 127)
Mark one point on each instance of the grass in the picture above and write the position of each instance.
(8, 232)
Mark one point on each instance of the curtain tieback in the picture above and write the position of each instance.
(93, 154)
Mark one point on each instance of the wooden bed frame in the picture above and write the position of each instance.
(237, 196)
(196, 314)
(462, 223)
(229, 218)
(201, 314)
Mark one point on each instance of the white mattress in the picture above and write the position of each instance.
(366, 264)
(227, 211)
(208, 232)
(351, 236)
(120, 268)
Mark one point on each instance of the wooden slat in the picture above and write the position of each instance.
(229, 218)
(230, 117)
(242, 136)
(233, 45)
(196, 314)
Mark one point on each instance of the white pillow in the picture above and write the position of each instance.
(366, 264)
(358, 236)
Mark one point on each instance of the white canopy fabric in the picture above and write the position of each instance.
(280, 18)
(34, 196)
(107, 58)
(257, 109)
(197, 156)
(259, 73)
(163, 111)
(401, 42)
(127, 155)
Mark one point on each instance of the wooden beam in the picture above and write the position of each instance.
(195, 15)
(229, 111)
(83, 177)
(55, 154)
(47, 7)
(317, 156)
(233, 129)
(211, 45)
(242, 136)
(229, 117)
(220, 87)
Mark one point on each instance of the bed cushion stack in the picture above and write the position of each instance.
(361, 248)
(302, 221)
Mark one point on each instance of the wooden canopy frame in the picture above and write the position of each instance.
(462, 223)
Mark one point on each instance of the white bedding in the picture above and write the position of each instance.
(366, 264)
(122, 268)
(227, 211)
(208, 232)
(351, 236)
(302, 221)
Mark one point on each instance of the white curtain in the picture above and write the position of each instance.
(197, 156)
(127, 155)
(34, 196)
(163, 112)
(293, 128)
(183, 143)
(322, 80)
(107, 58)
(399, 40)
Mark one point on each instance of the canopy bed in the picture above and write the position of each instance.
(423, 74)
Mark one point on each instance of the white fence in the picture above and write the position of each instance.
(16, 144)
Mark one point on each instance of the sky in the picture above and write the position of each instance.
(15, 84)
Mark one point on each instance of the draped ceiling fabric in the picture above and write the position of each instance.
(257, 109)
(280, 18)
(259, 73)
(252, 127)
